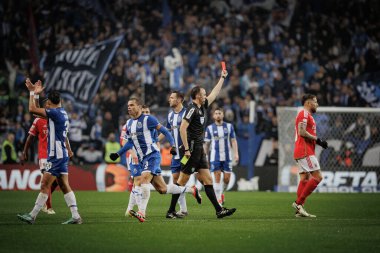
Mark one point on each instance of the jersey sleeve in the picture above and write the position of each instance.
(123, 134)
(52, 113)
(189, 114)
(207, 134)
(152, 122)
(34, 128)
(206, 103)
(302, 117)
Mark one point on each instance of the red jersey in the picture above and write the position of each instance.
(303, 146)
(40, 129)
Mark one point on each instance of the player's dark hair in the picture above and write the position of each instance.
(307, 97)
(137, 100)
(55, 97)
(145, 107)
(195, 91)
(219, 109)
(178, 94)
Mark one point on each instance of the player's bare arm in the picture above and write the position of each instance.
(235, 149)
(302, 132)
(215, 91)
(24, 155)
(35, 89)
(70, 153)
(183, 133)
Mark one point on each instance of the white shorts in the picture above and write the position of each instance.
(308, 164)
(42, 163)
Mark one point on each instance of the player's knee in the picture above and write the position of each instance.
(162, 190)
(45, 186)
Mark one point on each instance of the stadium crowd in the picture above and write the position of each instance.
(273, 57)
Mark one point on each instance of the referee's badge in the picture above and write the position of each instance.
(202, 119)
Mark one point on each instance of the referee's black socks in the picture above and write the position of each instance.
(174, 201)
(212, 197)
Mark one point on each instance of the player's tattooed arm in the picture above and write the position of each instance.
(302, 132)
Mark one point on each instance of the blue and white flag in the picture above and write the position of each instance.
(77, 73)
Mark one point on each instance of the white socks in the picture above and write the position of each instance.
(132, 199)
(175, 189)
(218, 190)
(145, 195)
(182, 202)
(40, 202)
(72, 204)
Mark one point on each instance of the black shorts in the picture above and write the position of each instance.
(197, 160)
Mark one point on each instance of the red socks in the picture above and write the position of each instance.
(309, 187)
(301, 186)
(48, 201)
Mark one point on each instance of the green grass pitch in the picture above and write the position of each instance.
(264, 222)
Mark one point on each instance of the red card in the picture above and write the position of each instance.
(223, 63)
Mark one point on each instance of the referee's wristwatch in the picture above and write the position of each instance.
(187, 150)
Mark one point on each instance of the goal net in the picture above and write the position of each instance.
(352, 161)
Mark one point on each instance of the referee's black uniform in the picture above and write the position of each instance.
(197, 118)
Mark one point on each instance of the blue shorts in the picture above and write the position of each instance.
(175, 166)
(224, 166)
(135, 170)
(152, 163)
(57, 167)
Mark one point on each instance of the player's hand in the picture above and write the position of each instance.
(70, 153)
(187, 154)
(23, 158)
(224, 73)
(237, 158)
(114, 156)
(173, 150)
(38, 87)
(322, 143)
(29, 84)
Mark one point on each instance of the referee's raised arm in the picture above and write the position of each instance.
(215, 92)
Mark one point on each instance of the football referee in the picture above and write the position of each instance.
(192, 131)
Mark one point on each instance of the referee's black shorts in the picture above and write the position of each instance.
(197, 160)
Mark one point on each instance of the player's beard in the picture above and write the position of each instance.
(313, 110)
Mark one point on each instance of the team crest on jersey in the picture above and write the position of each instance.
(139, 125)
(225, 130)
(179, 120)
(202, 119)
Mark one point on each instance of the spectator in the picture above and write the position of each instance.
(88, 154)
(111, 146)
(8, 150)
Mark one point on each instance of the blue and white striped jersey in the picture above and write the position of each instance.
(220, 137)
(173, 124)
(58, 125)
(142, 131)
